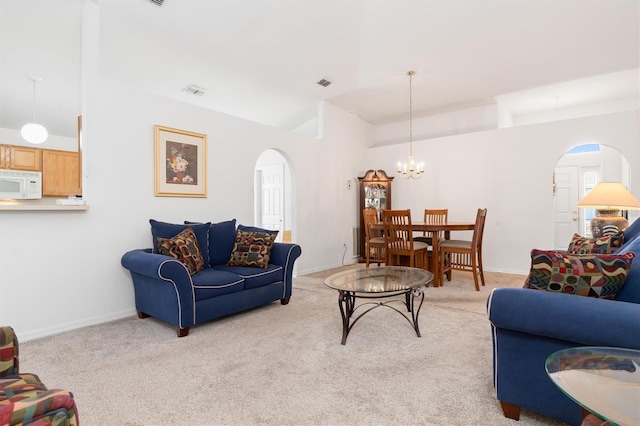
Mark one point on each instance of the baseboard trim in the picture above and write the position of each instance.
(60, 328)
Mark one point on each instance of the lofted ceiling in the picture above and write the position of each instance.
(261, 59)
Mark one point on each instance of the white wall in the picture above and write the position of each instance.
(439, 125)
(61, 270)
(615, 105)
(510, 172)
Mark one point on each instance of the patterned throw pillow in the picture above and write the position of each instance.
(252, 248)
(592, 275)
(603, 245)
(184, 247)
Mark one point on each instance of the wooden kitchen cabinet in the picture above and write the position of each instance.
(60, 173)
(20, 158)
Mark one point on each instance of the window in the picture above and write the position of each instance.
(590, 181)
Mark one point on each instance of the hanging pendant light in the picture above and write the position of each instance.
(33, 132)
(410, 169)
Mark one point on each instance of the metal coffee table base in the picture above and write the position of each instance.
(347, 304)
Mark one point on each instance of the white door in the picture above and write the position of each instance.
(272, 198)
(564, 206)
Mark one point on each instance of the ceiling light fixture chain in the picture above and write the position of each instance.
(411, 169)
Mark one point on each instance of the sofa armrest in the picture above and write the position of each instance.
(9, 352)
(154, 265)
(158, 278)
(285, 255)
(583, 320)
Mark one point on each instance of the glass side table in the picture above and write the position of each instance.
(604, 381)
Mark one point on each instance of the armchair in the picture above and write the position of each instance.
(24, 399)
(529, 325)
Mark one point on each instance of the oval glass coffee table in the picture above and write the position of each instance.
(604, 381)
(377, 283)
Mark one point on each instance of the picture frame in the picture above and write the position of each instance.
(180, 163)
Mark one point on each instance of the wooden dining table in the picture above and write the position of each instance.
(444, 228)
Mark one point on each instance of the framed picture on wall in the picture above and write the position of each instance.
(180, 163)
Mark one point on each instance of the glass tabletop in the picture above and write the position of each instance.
(605, 381)
(382, 279)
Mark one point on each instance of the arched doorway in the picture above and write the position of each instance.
(273, 194)
(576, 173)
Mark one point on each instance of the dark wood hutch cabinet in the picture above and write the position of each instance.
(375, 193)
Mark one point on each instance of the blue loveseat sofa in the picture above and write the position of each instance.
(529, 325)
(164, 288)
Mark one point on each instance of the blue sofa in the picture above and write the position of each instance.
(165, 290)
(529, 325)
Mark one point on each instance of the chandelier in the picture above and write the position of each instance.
(410, 169)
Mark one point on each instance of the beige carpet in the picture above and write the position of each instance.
(284, 365)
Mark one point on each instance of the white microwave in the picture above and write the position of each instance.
(20, 185)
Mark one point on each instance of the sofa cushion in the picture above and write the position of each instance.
(168, 230)
(184, 247)
(632, 231)
(603, 245)
(252, 248)
(254, 277)
(210, 283)
(222, 236)
(594, 275)
(256, 229)
(631, 290)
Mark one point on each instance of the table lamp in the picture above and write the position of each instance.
(608, 198)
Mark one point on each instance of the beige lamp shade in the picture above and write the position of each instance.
(609, 196)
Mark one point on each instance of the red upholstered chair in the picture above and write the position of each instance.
(24, 399)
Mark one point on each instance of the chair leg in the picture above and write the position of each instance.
(480, 266)
(474, 268)
(441, 268)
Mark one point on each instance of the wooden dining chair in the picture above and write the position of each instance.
(399, 242)
(433, 216)
(374, 244)
(464, 255)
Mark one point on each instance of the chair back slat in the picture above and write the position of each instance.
(478, 229)
(398, 231)
(435, 216)
(374, 250)
(370, 217)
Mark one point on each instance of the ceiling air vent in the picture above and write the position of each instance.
(157, 2)
(195, 90)
(324, 83)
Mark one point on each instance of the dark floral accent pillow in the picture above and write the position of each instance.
(252, 248)
(183, 247)
(603, 245)
(593, 275)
